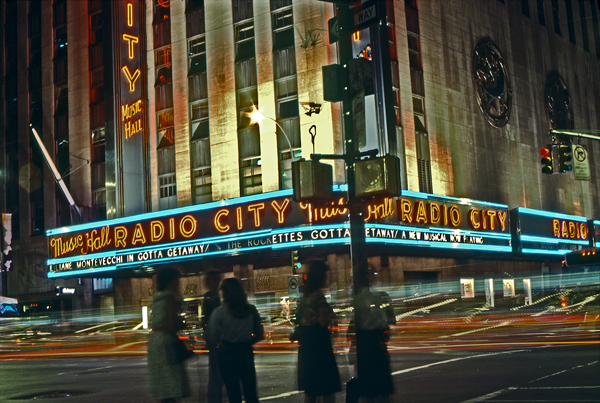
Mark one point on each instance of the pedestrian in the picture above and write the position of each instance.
(235, 327)
(317, 369)
(373, 315)
(212, 301)
(167, 376)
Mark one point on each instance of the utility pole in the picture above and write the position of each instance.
(358, 248)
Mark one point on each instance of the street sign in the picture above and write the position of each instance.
(365, 17)
(581, 162)
(334, 29)
(294, 287)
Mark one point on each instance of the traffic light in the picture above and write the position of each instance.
(546, 153)
(312, 181)
(564, 156)
(295, 261)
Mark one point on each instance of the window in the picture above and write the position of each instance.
(250, 162)
(60, 70)
(556, 17)
(541, 16)
(196, 46)
(244, 40)
(191, 5)
(569, 6)
(194, 22)
(412, 17)
(37, 217)
(201, 185)
(242, 10)
(199, 120)
(95, 32)
(166, 178)
(525, 7)
(418, 105)
(284, 62)
(424, 164)
(286, 87)
(162, 10)
(414, 52)
(197, 81)
(35, 23)
(60, 42)
(95, 54)
(94, 6)
(164, 123)
(283, 29)
(60, 12)
(251, 176)
(35, 108)
(166, 161)
(98, 174)
(201, 172)
(584, 31)
(162, 23)
(164, 77)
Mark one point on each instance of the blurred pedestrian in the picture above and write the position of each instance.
(212, 301)
(373, 315)
(317, 369)
(234, 327)
(167, 376)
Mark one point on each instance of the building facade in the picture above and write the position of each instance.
(143, 107)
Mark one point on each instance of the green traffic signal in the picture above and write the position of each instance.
(295, 261)
(564, 157)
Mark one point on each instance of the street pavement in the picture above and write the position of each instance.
(541, 373)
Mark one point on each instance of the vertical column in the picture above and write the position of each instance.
(180, 103)
(221, 99)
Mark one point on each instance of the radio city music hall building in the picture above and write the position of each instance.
(143, 108)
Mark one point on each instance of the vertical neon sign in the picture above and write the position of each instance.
(131, 102)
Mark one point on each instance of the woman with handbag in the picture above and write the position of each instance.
(235, 327)
(317, 369)
(167, 376)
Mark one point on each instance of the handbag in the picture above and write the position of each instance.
(296, 333)
(181, 351)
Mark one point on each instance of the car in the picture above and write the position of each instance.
(9, 307)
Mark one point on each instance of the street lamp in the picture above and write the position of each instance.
(256, 117)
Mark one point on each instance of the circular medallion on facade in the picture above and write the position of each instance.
(492, 84)
(558, 106)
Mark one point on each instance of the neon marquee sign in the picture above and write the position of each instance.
(543, 232)
(270, 221)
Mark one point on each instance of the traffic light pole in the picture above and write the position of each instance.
(580, 134)
(358, 249)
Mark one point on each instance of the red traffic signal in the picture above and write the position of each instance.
(546, 153)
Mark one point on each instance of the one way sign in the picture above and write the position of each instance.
(365, 17)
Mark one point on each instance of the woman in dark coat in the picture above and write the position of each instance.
(167, 378)
(234, 327)
(317, 370)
